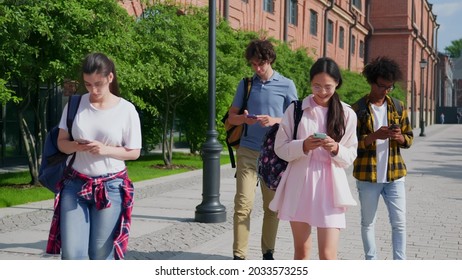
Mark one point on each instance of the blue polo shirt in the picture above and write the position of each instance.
(270, 98)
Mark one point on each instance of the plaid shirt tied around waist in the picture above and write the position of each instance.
(365, 165)
(94, 187)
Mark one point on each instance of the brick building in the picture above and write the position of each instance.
(457, 81)
(445, 96)
(350, 31)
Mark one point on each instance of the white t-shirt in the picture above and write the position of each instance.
(380, 119)
(118, 126)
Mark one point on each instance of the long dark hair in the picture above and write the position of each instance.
(335, 117)
(99, 63)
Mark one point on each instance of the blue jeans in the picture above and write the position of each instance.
(394, 196)
(88, 233)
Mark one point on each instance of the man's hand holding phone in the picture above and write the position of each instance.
(395, 133)
(394, 126)
(251, 119)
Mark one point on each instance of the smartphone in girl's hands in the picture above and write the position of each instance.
(319, 135)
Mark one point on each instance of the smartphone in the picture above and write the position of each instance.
(393, 126)
(82, 141)
(319, 135)
(251, 116)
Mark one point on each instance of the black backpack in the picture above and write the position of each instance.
(53, 161)
(269, 166)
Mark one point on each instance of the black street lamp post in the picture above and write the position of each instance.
(423, 64)
(211, 210)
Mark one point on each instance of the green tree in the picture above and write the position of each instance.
(294, 64)
(353, 88)
(173, 42)
(455, 49)
(6, 94)
(231, 67)
(43, 42)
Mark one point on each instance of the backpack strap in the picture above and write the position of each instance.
(298, 113)
(231, 155)
(398, 106)
(72, 107)
(362, 104)
(247, 88)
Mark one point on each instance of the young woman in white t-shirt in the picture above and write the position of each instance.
(93, 208)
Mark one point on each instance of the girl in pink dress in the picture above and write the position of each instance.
(313, 191)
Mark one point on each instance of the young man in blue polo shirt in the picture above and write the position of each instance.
(270, 95)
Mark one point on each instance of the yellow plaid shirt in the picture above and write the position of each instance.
(365, 165)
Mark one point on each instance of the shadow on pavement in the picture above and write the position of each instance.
(168, 255)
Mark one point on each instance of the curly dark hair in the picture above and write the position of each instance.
(260, 50)
(382, 67)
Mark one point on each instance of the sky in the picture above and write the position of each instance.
(449, 17)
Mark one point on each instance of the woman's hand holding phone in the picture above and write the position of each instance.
(82, 141)
(319, 135)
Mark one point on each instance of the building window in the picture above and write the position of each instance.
(353, 44)
(293, 10)
(341, 38)
(361, 49)
(313, 23)
(357, 4)
(330, 31)
(268, 6)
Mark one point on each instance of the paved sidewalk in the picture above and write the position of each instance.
(163, 225)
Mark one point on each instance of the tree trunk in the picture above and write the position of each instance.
(165, 146)
(33, 144)
(30, 147)
(171, 140)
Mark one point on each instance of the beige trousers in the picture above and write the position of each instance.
(246, 184)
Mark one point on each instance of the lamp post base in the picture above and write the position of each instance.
(209, 217)
(211, 210)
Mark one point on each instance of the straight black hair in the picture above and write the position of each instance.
(335, 115)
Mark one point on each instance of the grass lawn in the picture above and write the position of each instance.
(15, 188)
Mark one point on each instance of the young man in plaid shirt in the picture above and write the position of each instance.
(383, 129)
